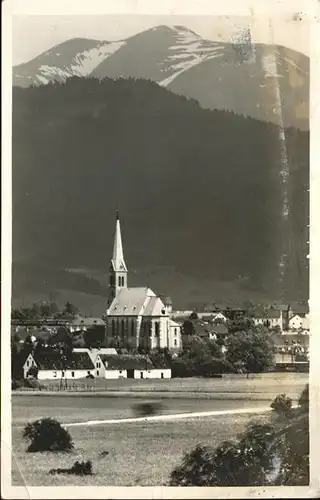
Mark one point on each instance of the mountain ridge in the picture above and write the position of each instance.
(238, 77)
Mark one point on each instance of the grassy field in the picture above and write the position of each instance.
(267, 385)
(140, 454)
(83, 408)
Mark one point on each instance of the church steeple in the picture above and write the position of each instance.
(118, 269)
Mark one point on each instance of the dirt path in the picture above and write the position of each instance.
(176, 416)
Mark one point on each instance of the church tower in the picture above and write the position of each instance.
(118, 269)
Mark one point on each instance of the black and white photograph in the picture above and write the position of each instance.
(159, 319)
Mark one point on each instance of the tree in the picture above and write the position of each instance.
(274, 453)
(193, 315)
(70, 310)
(188, 328)
(282, 405)
(241, 324)
(233, 463)
(45, 309)
(253, 349)
(47, 434)
(95, 336)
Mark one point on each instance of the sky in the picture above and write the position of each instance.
(34, 34)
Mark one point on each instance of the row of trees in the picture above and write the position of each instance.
(43, 310)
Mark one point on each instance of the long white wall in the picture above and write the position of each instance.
(68, 374)
(146, 374)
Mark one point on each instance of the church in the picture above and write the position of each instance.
(136, 316)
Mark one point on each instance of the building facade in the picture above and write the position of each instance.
(136, 316)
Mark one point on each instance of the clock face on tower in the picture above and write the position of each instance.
(122, 267)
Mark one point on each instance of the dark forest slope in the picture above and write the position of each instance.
(198, 191)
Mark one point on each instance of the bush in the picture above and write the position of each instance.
(242, 462)
(78, 468)
(33, 384)
(17, 384)
(47, 434)
(304, 398)
(282, 405)
(146, 409)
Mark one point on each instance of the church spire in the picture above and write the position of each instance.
(118, 262)
(118, 269)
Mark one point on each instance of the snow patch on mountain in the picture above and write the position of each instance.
(81, 65)
(87, 61)
(49, 73)
(188, 51)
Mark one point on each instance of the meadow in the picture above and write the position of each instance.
(258, 386)
(139, 453)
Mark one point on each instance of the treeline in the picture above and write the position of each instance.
(44, 310)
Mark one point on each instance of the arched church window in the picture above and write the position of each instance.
(113, 327)
(119, 281)
(157, 329)
(122, 327)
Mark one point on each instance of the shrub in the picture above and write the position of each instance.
(241, 462)
(47, 434)
(78, 468)
(282, 404)
(304, 398)
(33, 384)
(146, 409)
(17, 384)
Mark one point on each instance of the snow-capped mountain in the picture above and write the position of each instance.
(266, 82)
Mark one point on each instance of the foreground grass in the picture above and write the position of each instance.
(140, 454)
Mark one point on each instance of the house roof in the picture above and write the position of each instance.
(126, 362)
(174, 324)
(96, 350)
(267, 313)
(81, 321)
(219, 328)
(53, 361)
(282, 340)
(300, 309)
(136, 301)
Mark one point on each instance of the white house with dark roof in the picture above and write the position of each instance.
(298, 317)
(82, 324)
(51, 366)
(269, 317)
(136, 315)
(130, 366)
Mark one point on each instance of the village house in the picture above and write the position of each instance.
(218, 316)
(290, 348)
(82, 324)
(129, 366)
(51, 366)
(94, 352)
(271, 318)
(174, 338)
(299, 318)
(136, 316)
